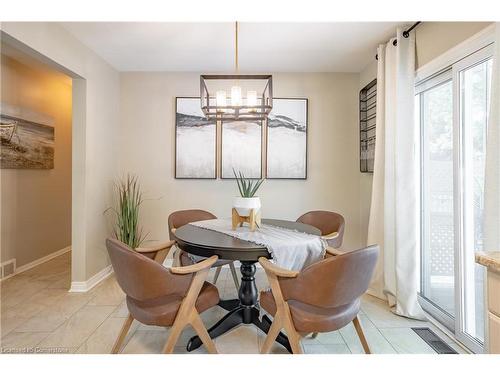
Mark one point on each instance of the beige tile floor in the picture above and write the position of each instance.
(38, 314)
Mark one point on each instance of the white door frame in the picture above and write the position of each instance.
(476, 58)
(472, 51)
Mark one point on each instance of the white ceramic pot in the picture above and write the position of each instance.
(244, 205)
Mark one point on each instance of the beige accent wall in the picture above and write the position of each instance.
(95, 130)
(147, 149)
(36, 204)
(143, 139)
(365, 179)
(435, 38)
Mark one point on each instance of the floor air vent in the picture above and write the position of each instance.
(434, 341)
(7, 269)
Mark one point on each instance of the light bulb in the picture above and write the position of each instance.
(236, 96)
(251, 98)
(220, 100)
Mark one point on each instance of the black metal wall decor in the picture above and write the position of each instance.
(367, 126)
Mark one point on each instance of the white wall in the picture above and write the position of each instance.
(147, 149)
(95, 128)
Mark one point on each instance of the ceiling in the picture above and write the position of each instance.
(209, 47)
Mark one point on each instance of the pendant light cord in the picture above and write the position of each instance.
(236, 47)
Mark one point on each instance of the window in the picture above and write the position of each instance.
(452, 110)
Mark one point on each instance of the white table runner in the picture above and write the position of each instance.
(289, 248)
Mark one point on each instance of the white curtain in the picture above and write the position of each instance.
(394, 209)
(492, 172)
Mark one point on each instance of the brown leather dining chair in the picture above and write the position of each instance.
(323, 297)
(331, 225)
(156, 252)
(163, 297)
(179, 218)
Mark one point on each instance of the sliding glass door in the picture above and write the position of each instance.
(437, 257)
(452, 112)
(474, 79)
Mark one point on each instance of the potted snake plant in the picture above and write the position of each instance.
(247, 199)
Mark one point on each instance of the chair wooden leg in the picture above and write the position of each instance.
(314, 335)
(235, 276)
(217, 273)
(361, 335)
(283, 314)
(272, 334)
(187, 314)
(122, 334)
(174, 334)
(201, 330)
(295, 343)
(293, 336)
(294, 339)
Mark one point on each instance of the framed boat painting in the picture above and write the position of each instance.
(287, 139)
(195, 141)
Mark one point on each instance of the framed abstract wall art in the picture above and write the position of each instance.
(241, 149)
(287, 139)
(195, 141)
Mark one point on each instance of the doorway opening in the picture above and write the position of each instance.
(36, 103)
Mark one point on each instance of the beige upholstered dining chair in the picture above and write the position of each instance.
(331, 225)
(179, 218)
(323, 297)
(163, 297)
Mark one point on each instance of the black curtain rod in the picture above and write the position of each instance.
(406, 34)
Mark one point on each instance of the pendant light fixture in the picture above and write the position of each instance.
(228, 102)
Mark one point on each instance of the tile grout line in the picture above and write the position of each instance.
(106, 318)
(65, 320)
(345, 342)
(379, 331)
(390, 342)
(34, 279)
(81, 308)
(45, 307)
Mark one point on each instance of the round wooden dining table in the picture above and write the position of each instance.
(245, 309)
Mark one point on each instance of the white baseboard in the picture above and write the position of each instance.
(37, 262)
(85, 286)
